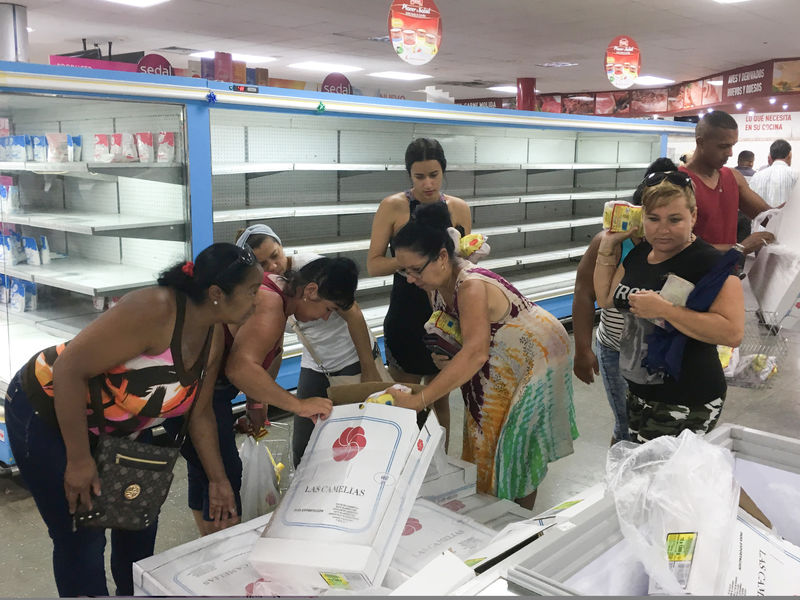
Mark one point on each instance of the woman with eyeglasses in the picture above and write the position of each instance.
(408, 359)
(513, 367)
(144, 361)
(668, 352)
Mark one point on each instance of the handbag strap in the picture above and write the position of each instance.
(304, 340)
(95, 393)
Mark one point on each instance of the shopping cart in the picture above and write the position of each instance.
(757, 361)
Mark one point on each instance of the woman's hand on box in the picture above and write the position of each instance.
(404, 399)
(315, 407)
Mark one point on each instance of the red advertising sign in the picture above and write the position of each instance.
(623, 62)
(92, 63)
(548, 103)
(336, 83)
(747, 82)
(154, 64)
(649, 101)
(578, 104)
(612, 103)
(415, 29)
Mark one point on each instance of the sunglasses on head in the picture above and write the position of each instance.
(246, 258)
(674, 177)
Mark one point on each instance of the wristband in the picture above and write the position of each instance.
(606, 253)
(740, 248)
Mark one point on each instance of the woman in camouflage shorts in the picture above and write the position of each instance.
(690, 391)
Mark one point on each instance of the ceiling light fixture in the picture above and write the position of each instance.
(399, 75)
(715, 81)
(738, 106)
(773, 100)
(324, 67)
(249, 58)
(729, 1)
(785, 106)
(30, 29)
(557, 64)
(709, 110)
(507, 89)
(138, 3)
(751, 112)
(652, 80)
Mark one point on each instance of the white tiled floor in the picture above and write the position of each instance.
(25, 547)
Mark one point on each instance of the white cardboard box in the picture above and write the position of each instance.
(341, 519)
(431, 530)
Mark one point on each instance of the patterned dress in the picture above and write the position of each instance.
(519, 404)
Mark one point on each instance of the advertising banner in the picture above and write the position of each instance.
(623, 62)
(548, 103)
(336, 83)
(747, 82)
(612, 103)
(415, 30)
(93, 63)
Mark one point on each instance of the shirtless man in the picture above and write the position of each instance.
(721, 192)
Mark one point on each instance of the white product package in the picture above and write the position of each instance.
(44, 249)
(341, 519)
(16, 300)
(676, 500)
(39, 144)
(31, 248)
(145, 147)
(432, 529)
(123, 148)
(77, 147)
(166, 147)
(18, 148)
(101, 148)
(57, 147)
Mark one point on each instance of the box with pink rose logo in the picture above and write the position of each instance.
(341, 519)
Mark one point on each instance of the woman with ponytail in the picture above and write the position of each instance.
(409, 307)
(513, 366)
(144, 360)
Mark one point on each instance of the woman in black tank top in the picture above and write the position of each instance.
(409, 306)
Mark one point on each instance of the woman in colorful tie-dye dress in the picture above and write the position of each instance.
(514, 366)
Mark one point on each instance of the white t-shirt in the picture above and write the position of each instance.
(330, 339)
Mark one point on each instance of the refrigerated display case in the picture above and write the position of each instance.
(314, 166)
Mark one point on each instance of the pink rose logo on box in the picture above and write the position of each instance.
(350, 442)
(412, 525)
(249, 589)
(454, 505)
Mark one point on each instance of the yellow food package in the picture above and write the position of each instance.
(623, 216)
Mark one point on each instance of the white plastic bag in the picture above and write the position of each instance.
(676, 491)
(260, 493)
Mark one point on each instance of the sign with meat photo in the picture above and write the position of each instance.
(548, 103)
(579, 104)
(693, 94)
(612, 103)
(786, 76)
(712, 91)
(649, 101)
(675, 95)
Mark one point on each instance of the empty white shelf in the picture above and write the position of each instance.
(79, 167)
(84, 276)
(86, 222)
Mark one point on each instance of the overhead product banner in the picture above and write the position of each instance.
(336, 83)
(747, 82)
(623, 62)
(415, 29)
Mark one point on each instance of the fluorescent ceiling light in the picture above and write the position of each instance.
(324, 67)
(773, 100)
(557, 64)
(138, 3)
(738, 105)
(785, 106)
(250, 58)
(652, 80)
(400, 75)
(508, 89)
(30, 29)
(729, 1)
(716, 82)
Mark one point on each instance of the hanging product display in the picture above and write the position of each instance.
(623, 62)
(415, 30)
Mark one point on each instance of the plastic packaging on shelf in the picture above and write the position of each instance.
(144, 145)
(622, 216)
(44, 249)
(166, 147)
(57, 147)
(77, 147)
(39, 143)
(123, 148)
(676, 500)
(101, 151)
(18, 148)
(31, 248)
